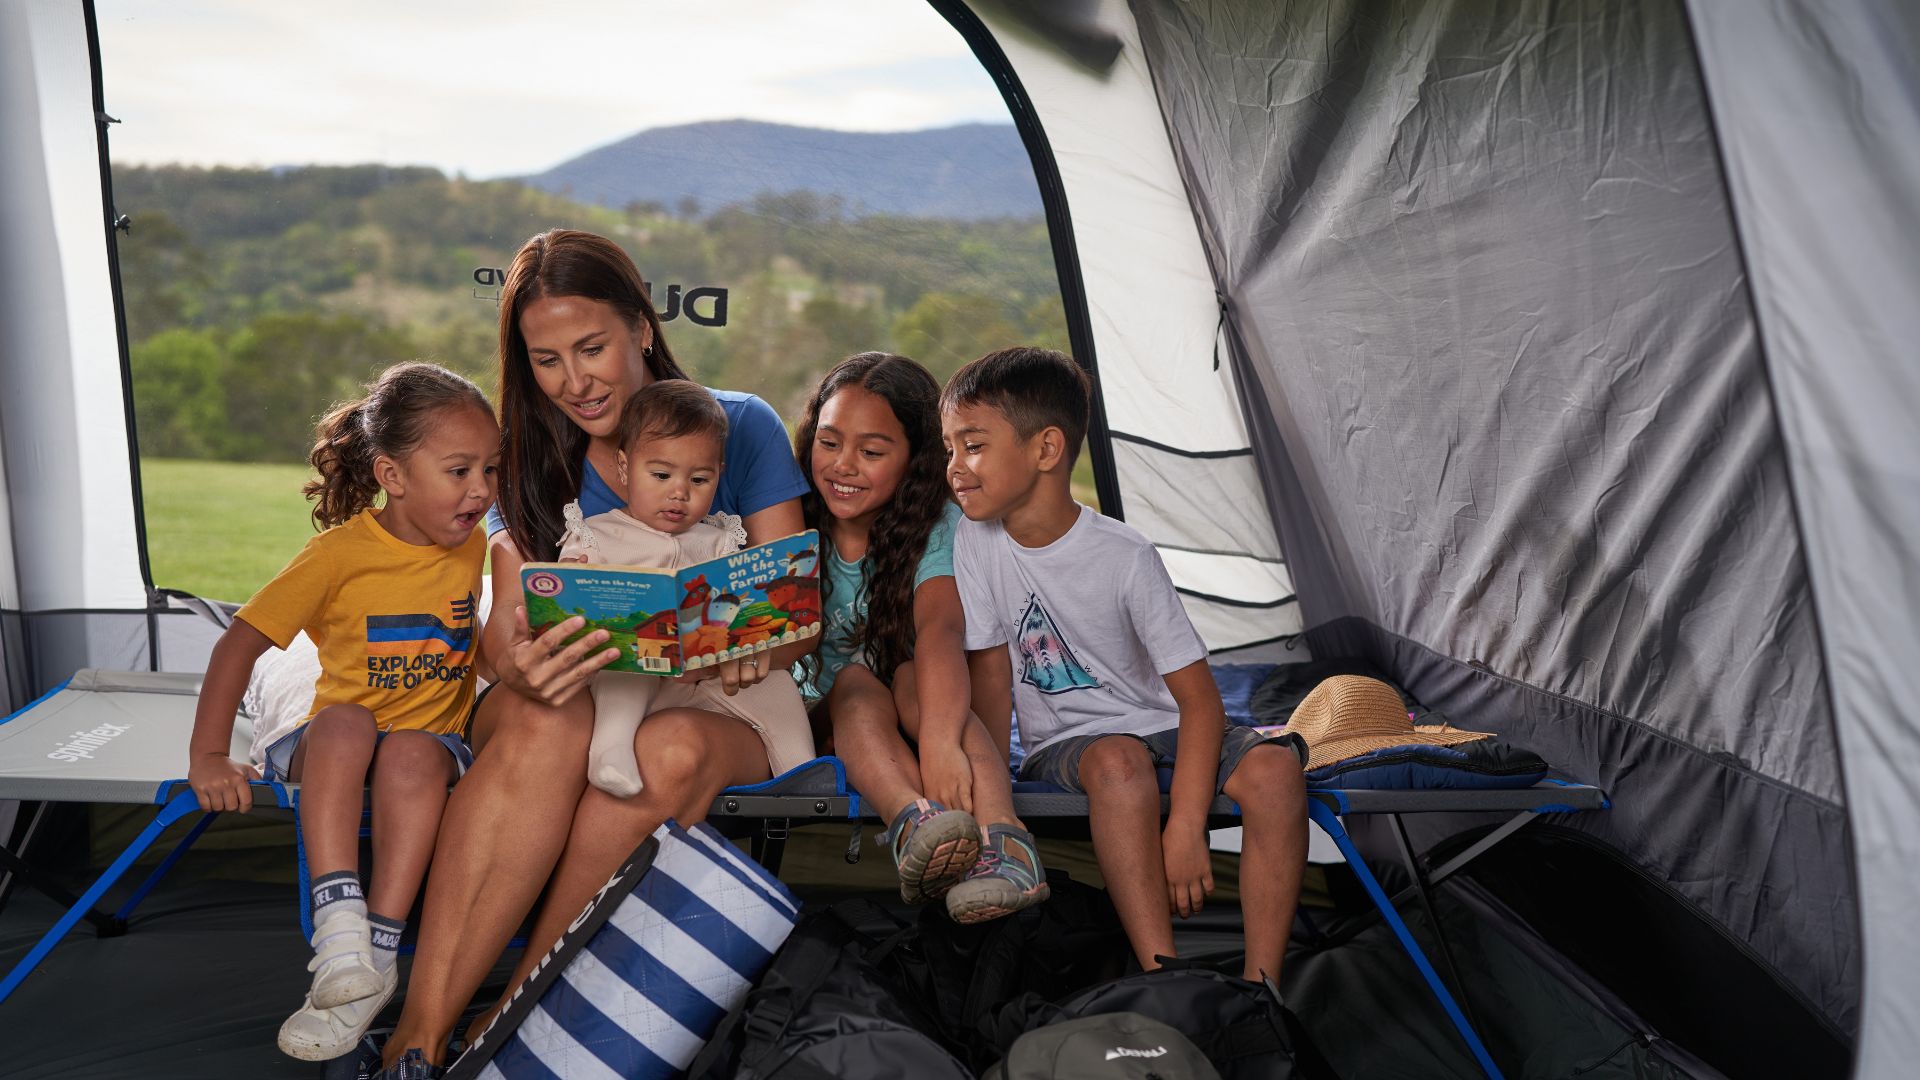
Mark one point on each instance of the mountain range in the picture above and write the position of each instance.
(967, 172)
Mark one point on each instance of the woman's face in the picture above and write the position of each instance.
(585, 358)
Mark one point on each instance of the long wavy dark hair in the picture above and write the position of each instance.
(541, 448)
(396, 413)
(900, 532)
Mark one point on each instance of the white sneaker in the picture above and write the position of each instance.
(316, 1034)
(342, 963)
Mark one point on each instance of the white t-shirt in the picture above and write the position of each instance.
(1091, 622)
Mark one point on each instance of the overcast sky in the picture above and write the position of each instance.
(495, 88)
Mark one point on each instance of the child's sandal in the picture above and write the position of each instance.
(933, 849)
(1009, 877)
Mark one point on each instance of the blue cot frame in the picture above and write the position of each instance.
(817, 792)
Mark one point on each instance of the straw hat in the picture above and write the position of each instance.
(1349, 715)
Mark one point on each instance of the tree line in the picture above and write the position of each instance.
(256, 297)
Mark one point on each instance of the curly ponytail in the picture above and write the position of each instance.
(343, 456)
(392, 419)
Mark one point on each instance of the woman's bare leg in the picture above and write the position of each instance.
(686, 756)
(504, 828)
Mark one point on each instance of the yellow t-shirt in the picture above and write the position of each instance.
(395, 623)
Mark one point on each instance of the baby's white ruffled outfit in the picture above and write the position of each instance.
(772, 706)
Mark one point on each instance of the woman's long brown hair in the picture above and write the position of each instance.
(541, 448)
(900, 532)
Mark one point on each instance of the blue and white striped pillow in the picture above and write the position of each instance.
(648, 989)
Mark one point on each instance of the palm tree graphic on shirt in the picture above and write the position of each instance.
(1048, 663)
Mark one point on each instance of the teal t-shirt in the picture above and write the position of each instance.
(847, 609)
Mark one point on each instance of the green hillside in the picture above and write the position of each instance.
(255, 298)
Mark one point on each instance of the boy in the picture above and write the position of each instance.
(1071, 617)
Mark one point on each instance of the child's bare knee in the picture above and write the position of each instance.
(342, 724)
(412, 757)
(1268, 776)
(860, 700)
(1114, 764)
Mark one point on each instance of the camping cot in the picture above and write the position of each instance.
(119, 737)
(1555, 358)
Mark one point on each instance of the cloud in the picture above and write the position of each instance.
(491, 88)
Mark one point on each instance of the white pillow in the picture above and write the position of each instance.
(280, 693)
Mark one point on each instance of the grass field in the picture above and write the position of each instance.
(222, 529)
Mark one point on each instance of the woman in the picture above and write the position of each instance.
(577, 337)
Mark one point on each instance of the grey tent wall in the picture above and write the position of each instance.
(1818, 111)
(1491, 322)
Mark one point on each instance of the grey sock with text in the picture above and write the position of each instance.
(339, 887)
(386, 940)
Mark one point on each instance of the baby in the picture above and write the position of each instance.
(672, 436)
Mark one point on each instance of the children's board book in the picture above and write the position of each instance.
(667, 622)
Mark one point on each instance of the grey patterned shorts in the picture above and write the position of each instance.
(1059, 763)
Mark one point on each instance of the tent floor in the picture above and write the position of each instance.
(209, 969)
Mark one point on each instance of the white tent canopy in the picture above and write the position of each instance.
(1561, 358)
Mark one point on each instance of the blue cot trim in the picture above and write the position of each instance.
(699, 921)
(1555, 808)
(839, 778)
(281, 798)
(1341, 805)
(28, 707)
(1606, 803)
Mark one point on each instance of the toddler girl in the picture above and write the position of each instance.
(672, 435)
(892, 664)
(387, 594)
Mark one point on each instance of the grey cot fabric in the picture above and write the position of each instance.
(1818, 111)
(1493, 333)
(106, 736)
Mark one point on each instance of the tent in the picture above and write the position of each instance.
(1551, 356)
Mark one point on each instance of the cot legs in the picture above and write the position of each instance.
(176, 801)
(182, 804)
(1324, 816)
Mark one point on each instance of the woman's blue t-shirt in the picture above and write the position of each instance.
(760, 469)
(849, 610)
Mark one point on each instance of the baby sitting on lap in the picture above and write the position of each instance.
(672, 436)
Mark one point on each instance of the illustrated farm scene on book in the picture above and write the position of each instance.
(664, 623)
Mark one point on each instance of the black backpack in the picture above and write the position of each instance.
(1243, 1028)
(859, 992)
(823, 1011)
(1109, 1046)
(964, 975)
